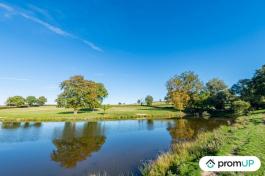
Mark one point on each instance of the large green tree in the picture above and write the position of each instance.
(199, 103)
(221, 101)
(220, 97)
(41, 100)
(31, 100)
(252, 90)
(216, 85)
(258, 87)
(243, 89)
(183, 88)
(81, 93)
(17, 101)
(259, 81)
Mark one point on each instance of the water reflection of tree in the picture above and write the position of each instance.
(14, 132)
(37, 124)
(10, 125)
(73, 147)
(183, 129)
(15, 125)
(180, 130)
(150, 124)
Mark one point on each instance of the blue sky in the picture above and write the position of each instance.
(133, 46)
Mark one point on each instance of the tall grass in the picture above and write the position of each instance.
(244, 137)
(183, 158)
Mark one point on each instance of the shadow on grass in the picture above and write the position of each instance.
(166, 108)
(81, 111)
(258, 112)
(257, 121)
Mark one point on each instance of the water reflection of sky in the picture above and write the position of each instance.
(69, 148)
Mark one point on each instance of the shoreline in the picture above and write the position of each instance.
(127, 112)
(54, 114)
(247, 132)
(89, 119)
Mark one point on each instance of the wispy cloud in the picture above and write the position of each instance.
(14, 79)
(52, 28)
(40, 11)
(92, 45)
(6, 7)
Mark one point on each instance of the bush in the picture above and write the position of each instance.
(31, 100)
(149, 100)
(17, 101)
(240, 106)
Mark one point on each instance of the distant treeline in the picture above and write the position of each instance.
(188, 93)
(185, 91)
(19, 101)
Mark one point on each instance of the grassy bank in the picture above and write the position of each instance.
(245, 137)
(52, 113)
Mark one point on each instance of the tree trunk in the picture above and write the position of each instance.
(75, 111)
(180, 112)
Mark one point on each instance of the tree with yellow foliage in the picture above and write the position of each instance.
(183, 88)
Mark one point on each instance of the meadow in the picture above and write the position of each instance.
(115, 112)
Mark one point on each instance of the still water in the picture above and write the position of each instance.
(86, 148)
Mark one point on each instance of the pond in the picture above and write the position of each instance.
(87, 148)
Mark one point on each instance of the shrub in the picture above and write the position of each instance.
(149, 100)
(240, 106)
(105, 108)
(17, 101)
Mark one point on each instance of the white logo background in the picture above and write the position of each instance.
(230, 163)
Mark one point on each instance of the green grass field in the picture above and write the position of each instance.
(246, 137)
(52, 113)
